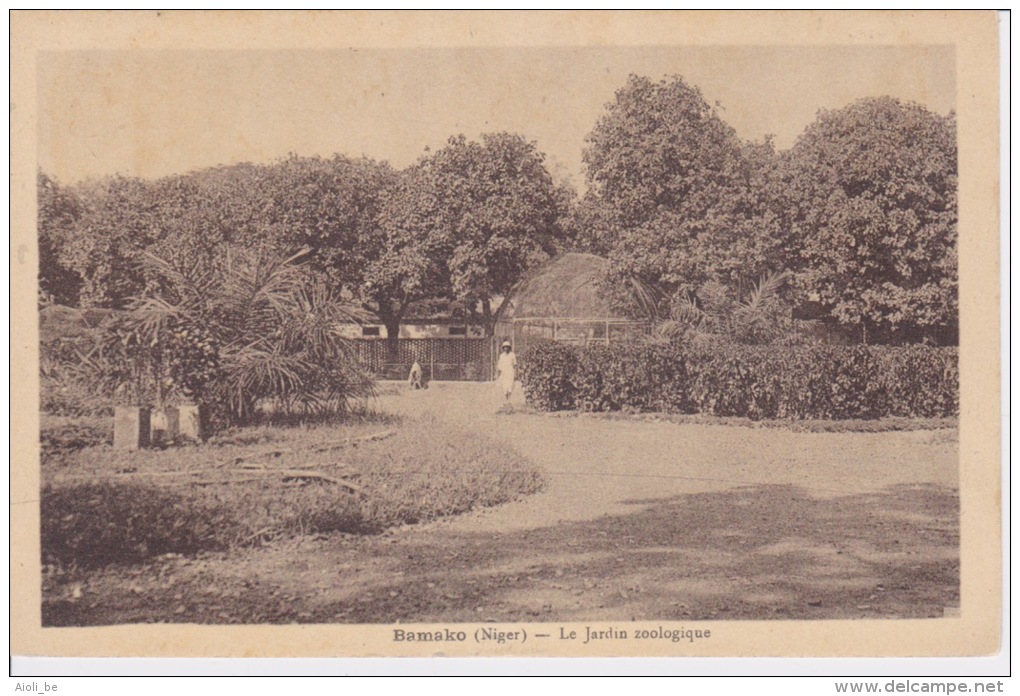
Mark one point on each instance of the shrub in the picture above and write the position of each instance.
(756, 382)
(547, 373)
(922, 381)
(237, 333)
(246, 328)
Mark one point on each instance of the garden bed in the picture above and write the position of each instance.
(102, 506)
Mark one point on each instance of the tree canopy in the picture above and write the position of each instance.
(328, 206)
(675, 197)
(861, 211)
(465, 222)
(59, 210)
(873, 192)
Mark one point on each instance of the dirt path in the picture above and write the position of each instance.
(597, 467)
(638, 520)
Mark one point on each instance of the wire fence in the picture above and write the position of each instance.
(453, 359)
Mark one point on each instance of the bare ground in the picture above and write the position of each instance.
(639, 520)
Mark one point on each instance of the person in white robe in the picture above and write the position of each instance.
(506, 370)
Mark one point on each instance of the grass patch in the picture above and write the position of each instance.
(102, 506)
(64, 433)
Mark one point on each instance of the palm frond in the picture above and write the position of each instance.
(686, 311)
(647, 297)
(275, 325)
(765, 291)
(151, 316)
(188, 284)
(761, 317)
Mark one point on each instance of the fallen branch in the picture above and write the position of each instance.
(288, 474)
(355, 440)
(325, 447)
(256, 535)
(285, 474)
(346, 473)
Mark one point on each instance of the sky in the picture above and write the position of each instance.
(154, 113)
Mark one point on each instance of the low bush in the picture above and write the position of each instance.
(103, 506)
(756, 382)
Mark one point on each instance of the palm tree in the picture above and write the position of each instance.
(248, 328)
(716, 314)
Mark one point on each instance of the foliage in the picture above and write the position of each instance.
(424, 472)
(465, 222)
(922, 380)
(658, 145)
(88, 368)
(758, 316)
(120, 218)
(546, 371)
(592, 225)
(863, 209)
(249, 329)
(862, 212)
(328, 205)
(798, 382)
(609, 379)
(675, 198)
(873, 193)
(59, 210)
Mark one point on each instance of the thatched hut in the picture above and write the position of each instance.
(567, 299)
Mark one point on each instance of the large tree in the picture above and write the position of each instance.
(465, 222)
(327, 206)
(120, 218)
(59, 210)
(675, 197)
(873, 193)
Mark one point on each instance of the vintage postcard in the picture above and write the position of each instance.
(505, 334)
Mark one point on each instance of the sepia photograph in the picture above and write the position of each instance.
(582, 347)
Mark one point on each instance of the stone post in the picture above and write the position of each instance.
(165, 426)
(130, 427)
(193, 422)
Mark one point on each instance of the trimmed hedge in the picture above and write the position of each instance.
(757, 382)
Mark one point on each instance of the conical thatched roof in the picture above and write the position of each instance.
(569, 286)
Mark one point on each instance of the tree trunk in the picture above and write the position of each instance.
(487, 319)
(392, 339)
(391, 313)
